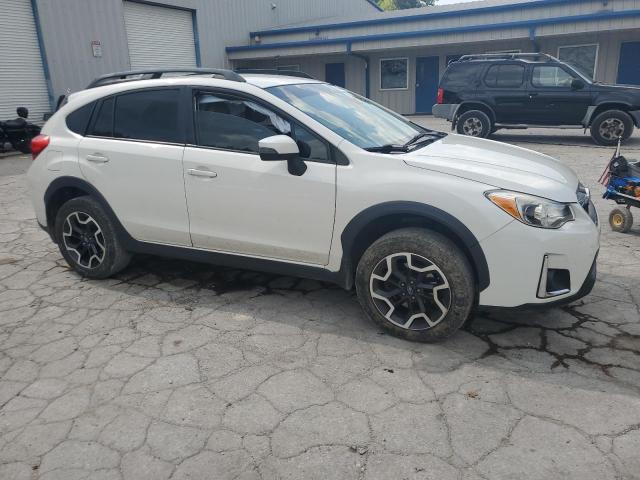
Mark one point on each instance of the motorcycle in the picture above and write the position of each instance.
(18, 132)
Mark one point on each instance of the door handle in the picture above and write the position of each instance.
(202, 173)
(97, 158)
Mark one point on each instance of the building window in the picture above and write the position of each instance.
(581, 57)
(394, 74)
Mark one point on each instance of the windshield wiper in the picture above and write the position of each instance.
(429, 136)
(388, 148)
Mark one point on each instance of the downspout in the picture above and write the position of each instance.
(534, 42)
(367, 86)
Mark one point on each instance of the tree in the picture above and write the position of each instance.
(402, 4)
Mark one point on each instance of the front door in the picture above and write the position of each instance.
(629, 65)
(552, 99)
(334, 74)
(241, 204)
(427, 78)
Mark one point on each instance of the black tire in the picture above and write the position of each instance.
(474, 123)
(107, 256)
(621, 220)
(609, 125)
(436, 250)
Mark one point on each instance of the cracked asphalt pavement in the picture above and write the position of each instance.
(186, 371)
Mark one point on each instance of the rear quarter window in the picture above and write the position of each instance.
(78, 120)
(461, 75)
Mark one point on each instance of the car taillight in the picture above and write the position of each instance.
(38, 144)
(440, 96)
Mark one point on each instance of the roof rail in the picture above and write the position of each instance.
(153, 73)
(508, 56)
(271, 71)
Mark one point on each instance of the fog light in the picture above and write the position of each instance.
(553, 281)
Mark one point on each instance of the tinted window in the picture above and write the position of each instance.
(234, 123)
(505, 76)
(78, 120)
(461, 75)
(148, 115)
(549, 76)
(311, 147)
(103, 124)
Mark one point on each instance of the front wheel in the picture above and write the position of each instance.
(416, 284)
(610, 126)
(87, 239)
(474, 123)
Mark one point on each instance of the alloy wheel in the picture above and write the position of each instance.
(472, 126)
(410, 291)
(611, 129)
(83, 238)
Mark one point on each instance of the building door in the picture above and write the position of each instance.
(427, 78)
(159, 36)
(22, 81)
(629, 66)
(334, 74)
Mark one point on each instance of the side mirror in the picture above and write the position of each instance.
(277, 148)
(281, 147)
(577, 84)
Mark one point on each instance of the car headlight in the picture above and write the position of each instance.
(531, 210)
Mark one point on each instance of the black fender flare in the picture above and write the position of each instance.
(427, 212)
(76, 182)
(492, 114)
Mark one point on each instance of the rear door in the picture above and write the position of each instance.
(133, 156)
(552, 100)
(505, 86)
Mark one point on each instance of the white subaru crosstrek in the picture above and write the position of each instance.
(291, 175)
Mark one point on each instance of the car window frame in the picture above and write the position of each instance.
(522, 84)
(181, 115)
(335, 156)
(544, 87)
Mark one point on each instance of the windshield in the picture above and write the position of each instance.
(361, 121)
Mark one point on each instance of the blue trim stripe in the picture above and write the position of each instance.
(440, 31)
(415, 18)
(43, 54)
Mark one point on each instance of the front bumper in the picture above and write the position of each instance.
(516, 256)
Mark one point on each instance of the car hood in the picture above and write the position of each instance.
(616, 87)
(498, 164)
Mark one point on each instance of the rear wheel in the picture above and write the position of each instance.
(611, 125)
(621, 220)
(474, 123)
(416, 284)
(87, 239)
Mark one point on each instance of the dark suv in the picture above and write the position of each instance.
(480, 94)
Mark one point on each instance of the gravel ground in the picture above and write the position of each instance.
(185, 371)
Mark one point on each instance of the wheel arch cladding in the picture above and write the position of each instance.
(63, 189)
(375, 221)
(483, 107)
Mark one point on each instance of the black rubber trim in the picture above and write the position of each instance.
(185, 253)
(429, 213)
(585, 290)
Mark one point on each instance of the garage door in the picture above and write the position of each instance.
(159, 36)
(22, 82)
